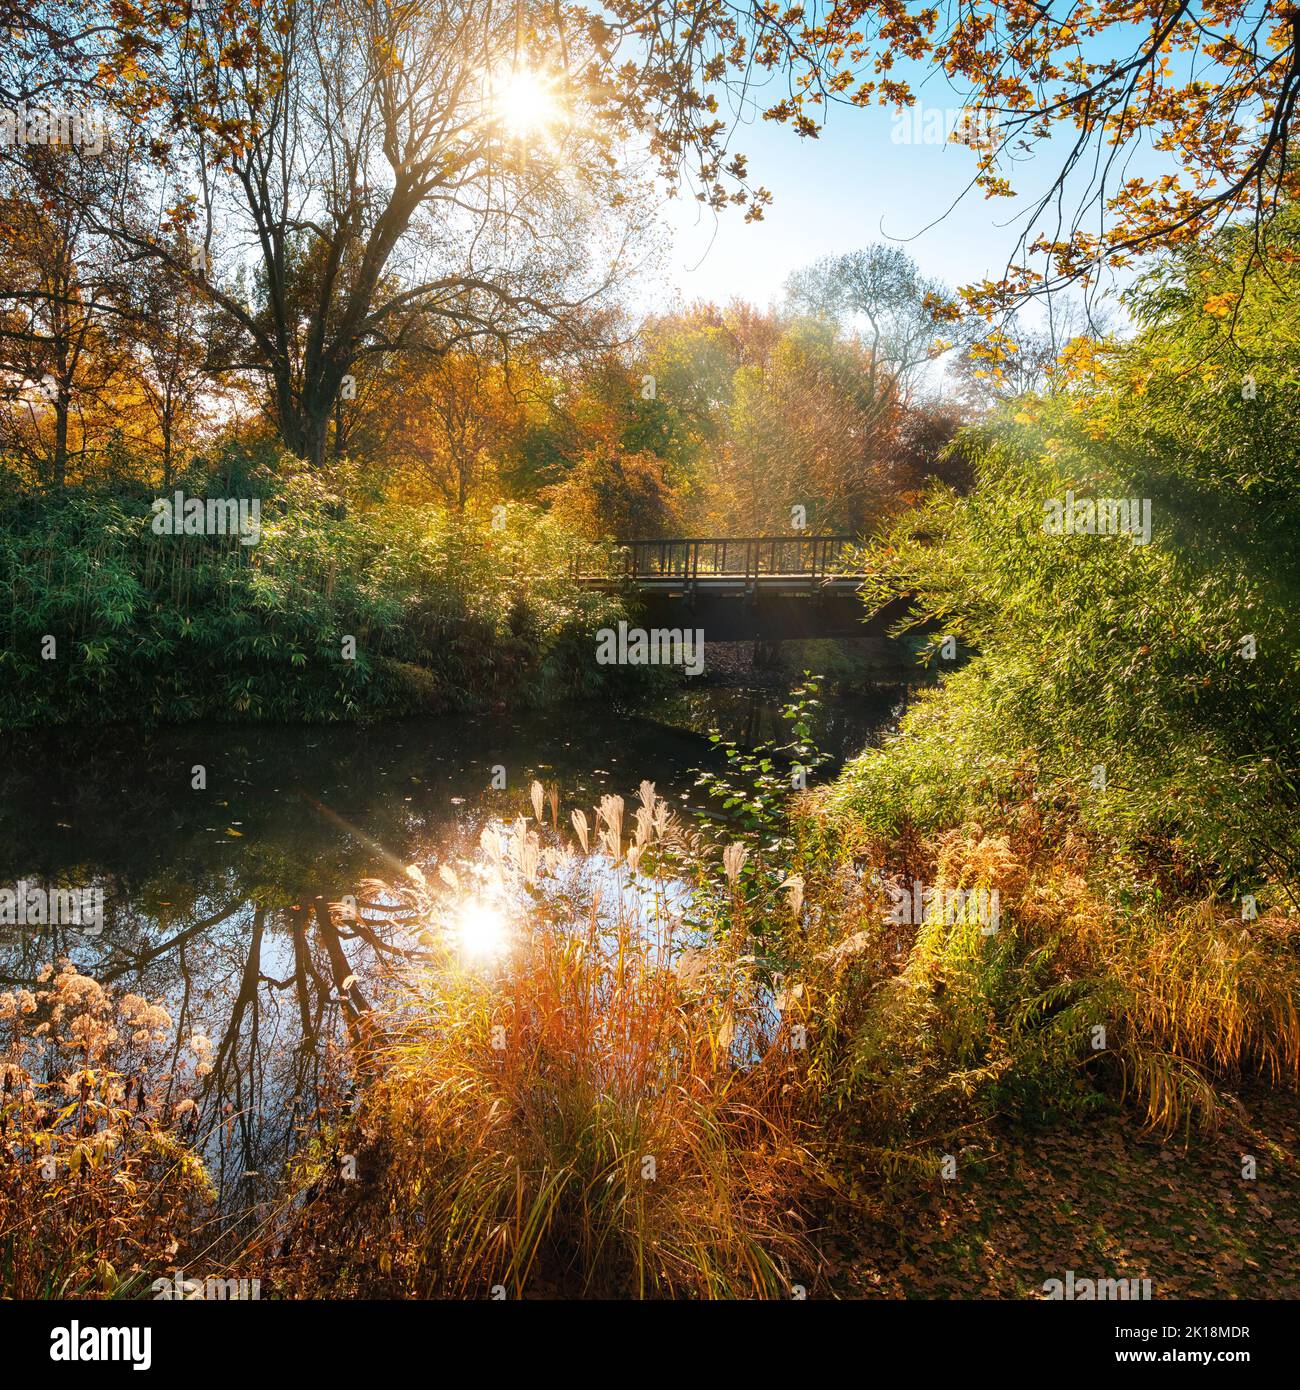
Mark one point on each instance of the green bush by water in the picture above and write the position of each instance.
(103, 620)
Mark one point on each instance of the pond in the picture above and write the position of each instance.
(219, 849)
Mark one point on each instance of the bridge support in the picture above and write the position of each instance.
(762, 617)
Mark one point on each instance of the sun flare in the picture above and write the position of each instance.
(525, 102)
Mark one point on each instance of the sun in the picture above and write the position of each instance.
(524, 101)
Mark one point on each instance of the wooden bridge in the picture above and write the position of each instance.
(747, 587)
(733, 565)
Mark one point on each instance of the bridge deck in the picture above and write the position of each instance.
(737, 584)
(739, 565)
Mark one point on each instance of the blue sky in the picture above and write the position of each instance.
(853, 185)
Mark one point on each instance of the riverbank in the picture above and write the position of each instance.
(334, 614)
(861, 1107)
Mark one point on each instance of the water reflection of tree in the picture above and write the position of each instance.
(270, 986)
(218, 903)
(233, 931)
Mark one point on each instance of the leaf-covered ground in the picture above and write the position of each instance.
(1103, 1199)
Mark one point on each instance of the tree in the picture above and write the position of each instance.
(398, 177)
(51, 51)
(1210, 90)
(811, 426)
(926, 445)
(612, 494)
(879, 292)
(168, 368)
(680, 392)
(60, 309)
(1152, 635)
(665, 389)
(450, 422)
(1016, 358)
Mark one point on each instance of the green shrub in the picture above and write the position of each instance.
(446, 612)
(1119, 754)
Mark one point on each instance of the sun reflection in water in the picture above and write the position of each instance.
(480, 930)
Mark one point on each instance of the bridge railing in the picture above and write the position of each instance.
(743, 557)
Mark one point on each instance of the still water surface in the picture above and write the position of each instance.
(215, 899)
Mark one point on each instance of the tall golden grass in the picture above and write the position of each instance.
(1205, 996)
(590, 1113)
(931, 1029)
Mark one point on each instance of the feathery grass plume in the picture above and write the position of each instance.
(528, 854)
(537, 795)
(734, 857)
(693, 963)
(580, 827)
(611, 814)
(490, 841)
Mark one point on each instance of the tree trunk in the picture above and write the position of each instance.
(167, 456)
(315, 437)
(60, 436)
(305, 417)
